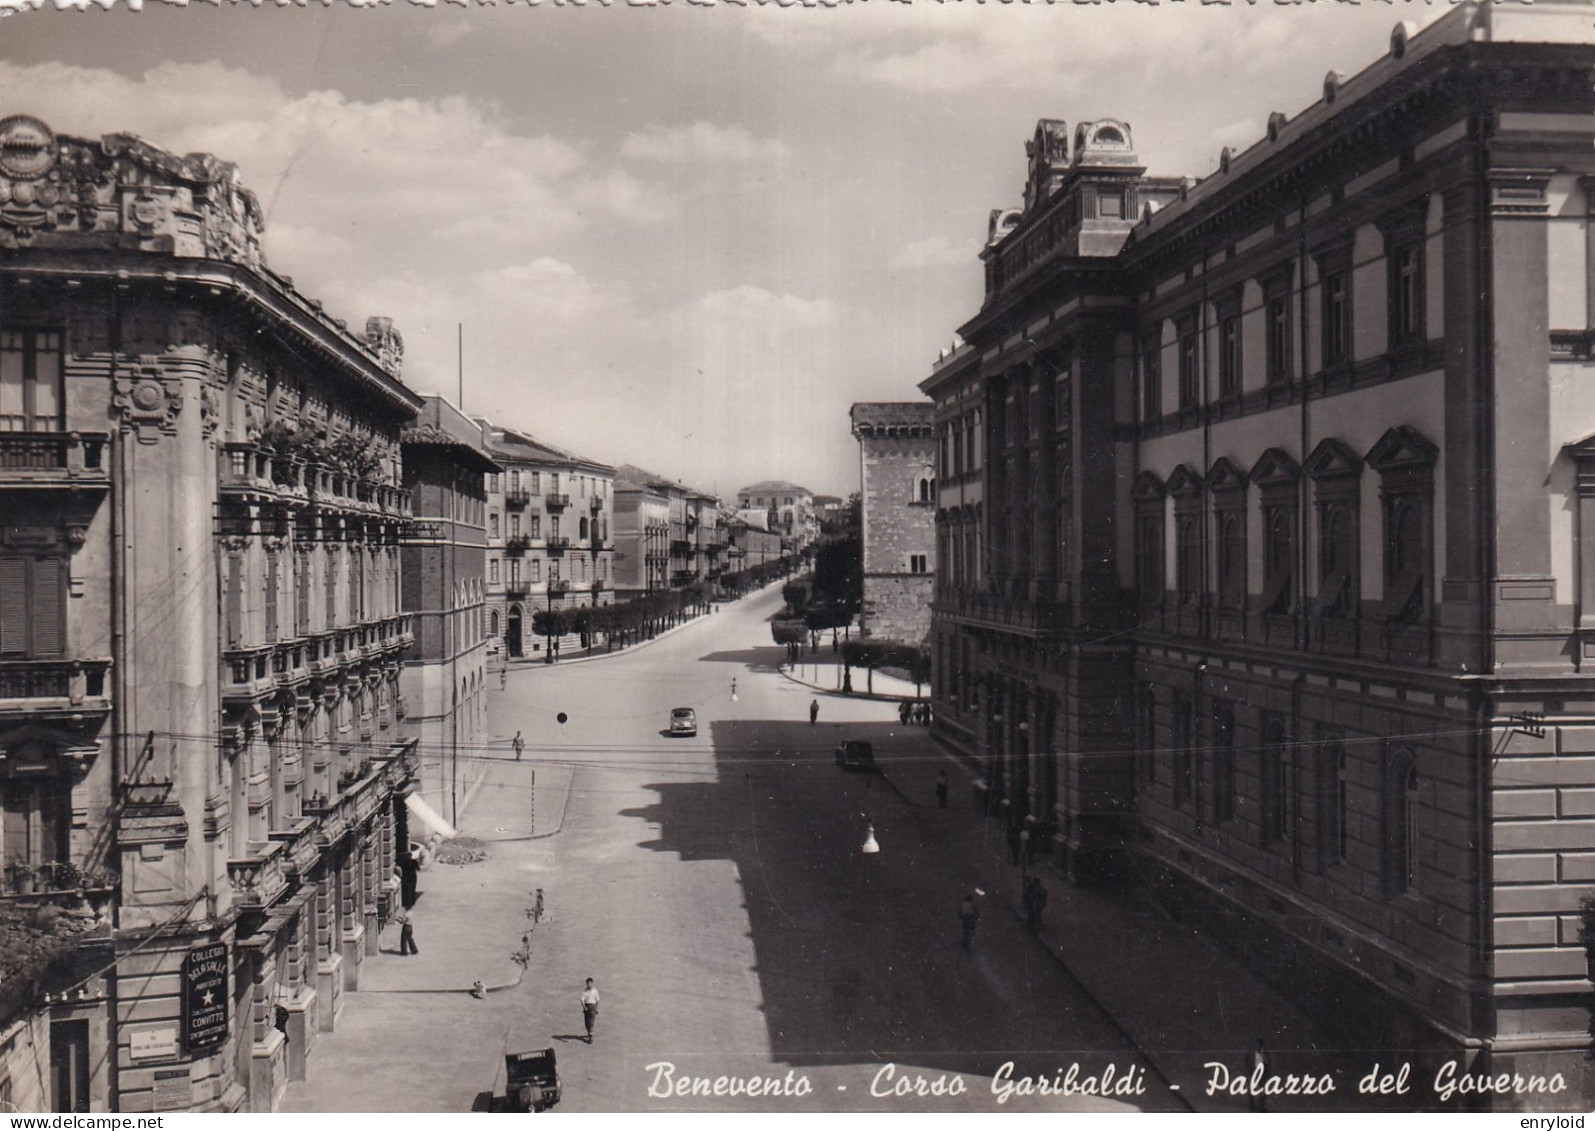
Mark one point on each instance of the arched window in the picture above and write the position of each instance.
(492, 623)
(582, 530)
(1188, 563)
(1336, 591)
(1401, 826)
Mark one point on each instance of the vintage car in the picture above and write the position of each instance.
(683, 720)
(852, 754)
(531, 1080)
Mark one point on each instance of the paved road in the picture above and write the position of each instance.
(715, 889)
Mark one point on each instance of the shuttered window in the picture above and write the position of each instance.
(234, 613)
(32, 606)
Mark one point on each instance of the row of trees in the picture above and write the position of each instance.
(644, 617)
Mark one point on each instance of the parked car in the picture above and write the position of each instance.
(852, 754)
(683, 720)
(532, 1080)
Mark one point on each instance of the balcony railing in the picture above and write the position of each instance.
(517, 497)
(515, 590)
(597, 504)
(53, 459)
(18, 878)
(259, 878)
(558, 544)
(556, 499)
(516, 544)
(71, 683)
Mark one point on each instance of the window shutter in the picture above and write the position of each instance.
(235, 599)
(13, 606)
(49, 606)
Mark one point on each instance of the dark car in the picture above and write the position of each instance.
(531, 1080)
(854, 755)
(683, 720)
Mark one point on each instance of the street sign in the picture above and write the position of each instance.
(205, 997)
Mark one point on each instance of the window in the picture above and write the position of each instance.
(515, 480)
(492, 574)
(553, 482)
(1190, 363)
(553, 526)
(917, 563)
(492, 524)
(1337, 316)
(30, 380)
(1276, 307)
(1334, 775)
(37, 817)
(537, 525)
(272, 586)
(1337, 561)
(32, 606)
(535, 486)
(581, 529)
(1406, 295)
(1149, 519)
(1146, 731)
(515, 525)
(1152, 380)
(513, 566)
(1184, 756)
(1223, 761)
(537, 569)
(1273, 779)
(1188, 559)
(1401, 830)
(1405, 461)
(1229, 348)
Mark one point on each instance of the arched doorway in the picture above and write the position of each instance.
(512, 631)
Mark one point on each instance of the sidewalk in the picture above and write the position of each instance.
(822, 672)
(1179, 998)
(464, 938)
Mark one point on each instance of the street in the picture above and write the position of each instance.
(714, 888)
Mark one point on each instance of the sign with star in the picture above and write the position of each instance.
(205, 997)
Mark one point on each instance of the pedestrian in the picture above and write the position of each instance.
(1256, 1069)
(902, 712)
(969, 917)
(504, 676)
(814, 711)
(406, 934)
(1035, 902)
(590, 1008)
(409, 868)
(520, 745)
(733, 689)
(941, 789)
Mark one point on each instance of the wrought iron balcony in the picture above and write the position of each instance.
(515, 590)
(517, 497)
(516, 544)
(556, 500)
(558, 544)
(596, 504)
(54, 460)
(54, 878)
(559, 585)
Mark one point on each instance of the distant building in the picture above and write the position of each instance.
(897, 493)
(443, 565)
(642, 538)
(791, 509)
(549, 537)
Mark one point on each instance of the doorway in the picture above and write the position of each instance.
(512, 631)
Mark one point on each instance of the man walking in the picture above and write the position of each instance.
(941, 789)
(406, 933)
(814, 710)
(590, 1008)
(519, 744)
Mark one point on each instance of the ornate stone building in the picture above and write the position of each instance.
(1266, 524)
(897, 497)
(201, 634)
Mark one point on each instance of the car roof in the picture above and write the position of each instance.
(681, 710)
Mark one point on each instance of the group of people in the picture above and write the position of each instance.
(916, 712)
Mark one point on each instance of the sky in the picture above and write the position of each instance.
(684, 237)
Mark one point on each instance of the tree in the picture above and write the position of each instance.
(551, 624)
(789, 631)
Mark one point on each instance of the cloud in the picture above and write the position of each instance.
(443, 35)
(700, 141)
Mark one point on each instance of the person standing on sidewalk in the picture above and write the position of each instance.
(814, 711)
(941, 789)
(590, 1008)
(520, 745)
(406, 933)
(733, 689)
(969, 917)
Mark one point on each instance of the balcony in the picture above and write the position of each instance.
(59, 878)
(300, 851)
(54, 685)
(680, 548)
(596, 504)
(54, 460)
(517, 497)
(516, 544)
(558, 544)
(515, 590)
(259, 879)
(559, 585)
(556, 500)
(599, 585)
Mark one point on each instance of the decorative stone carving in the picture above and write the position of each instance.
(386, 343)
(149, 402)
(209, 410)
